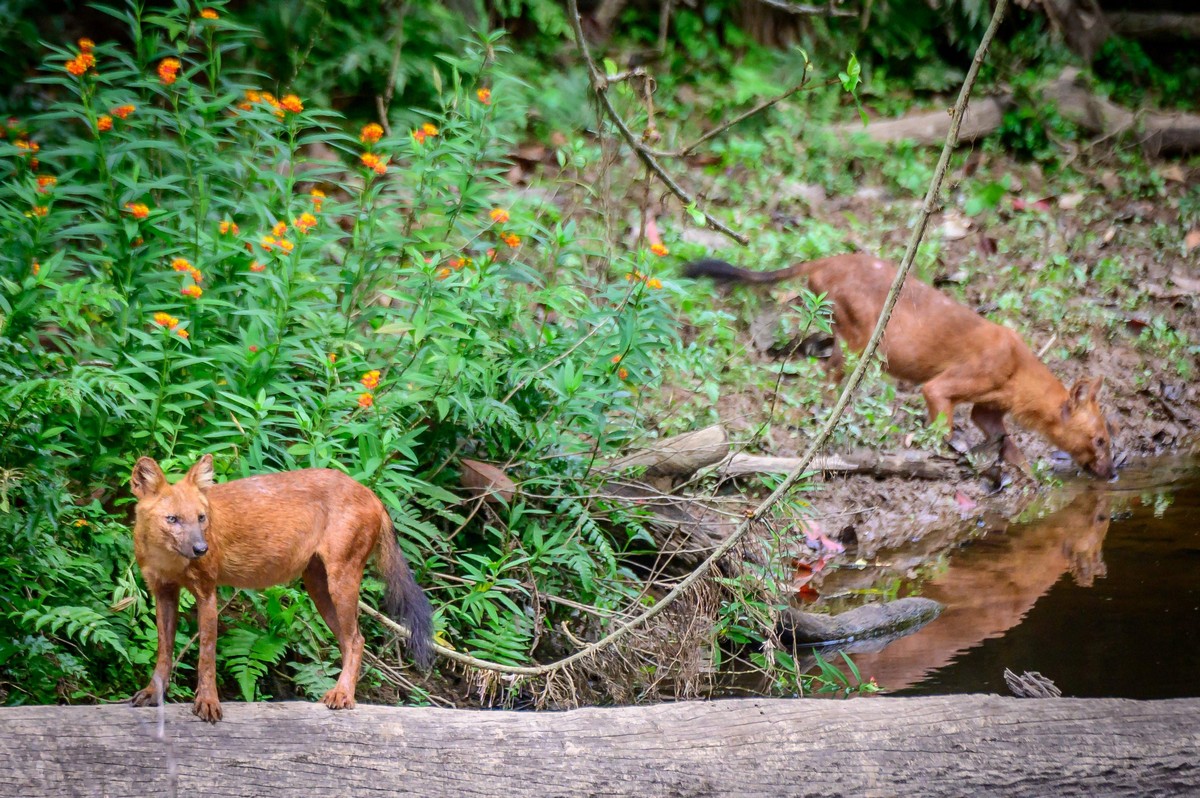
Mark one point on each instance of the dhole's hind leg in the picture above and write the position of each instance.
(317, 585)
(990, 420)
(343, 584)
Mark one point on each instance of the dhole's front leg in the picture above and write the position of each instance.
(166, 615)
(208, 705)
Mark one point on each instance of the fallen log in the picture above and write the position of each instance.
(914, 465)
(933, 746)
(983, 116)
(1156, 131)
(677, 456)
(1150, 25)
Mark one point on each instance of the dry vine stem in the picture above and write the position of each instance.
(927, 209)
(600, 86)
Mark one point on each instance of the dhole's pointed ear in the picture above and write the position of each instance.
(1080, 392)
(147, 478)
(1094, 391)
(201, 474)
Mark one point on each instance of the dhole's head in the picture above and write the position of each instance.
(1085, 433)
(174, 516)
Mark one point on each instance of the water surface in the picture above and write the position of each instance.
(1101, 595)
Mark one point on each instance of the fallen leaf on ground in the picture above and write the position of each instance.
(1192, 239)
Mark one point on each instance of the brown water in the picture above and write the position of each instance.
(1101, 595)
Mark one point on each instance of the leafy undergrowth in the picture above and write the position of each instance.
(191, 264)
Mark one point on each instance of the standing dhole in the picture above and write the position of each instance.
(954, 353)
(262, 531)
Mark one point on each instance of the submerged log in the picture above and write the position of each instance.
(889, 620)
(938, 746)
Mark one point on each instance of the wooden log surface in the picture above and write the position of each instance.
(934, 746)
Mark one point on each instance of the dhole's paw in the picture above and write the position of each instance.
(337, 698)
(147, 697)
(208, 709)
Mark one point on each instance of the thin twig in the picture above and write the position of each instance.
(600, 87)
(765, 104)
(852, 383)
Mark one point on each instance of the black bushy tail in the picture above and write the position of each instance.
(720, 270)
(404, 600)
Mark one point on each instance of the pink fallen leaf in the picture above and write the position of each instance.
(1192, 239)
(965, 503)
(814, 536)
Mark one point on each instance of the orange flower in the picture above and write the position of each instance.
(419, 136)
(511, 239)
(374, 162)
(253, 349)
(305, 223)
(123, 111)
(77, 66)
(165, 320)
(429, 130)
(86, 45)
(182, 333)
(499, 215)
(168, 70)
(30, 147)
(37, 267)
(139, 210)
(279, 229)
(104, 123)
(332, 357)
(318, 199)
(485, 96)
(193, 291)
(370, 380)
(623, 373)
(181, 265)
(365, 400)
(443, 274)
(196, 275)
(659, 250)
(228, 228)
(255, 266)
(268, 242)
(616, 359)
(39, 211)
(87, 59)
(45, 183)
(371, 133)
(208, 13)
(292, 103)
(654, 283)
(286, 246)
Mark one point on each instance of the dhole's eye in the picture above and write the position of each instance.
(172, 519)
(202, 517)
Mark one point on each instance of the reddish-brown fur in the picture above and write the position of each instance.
(261, 531)
(954, 353)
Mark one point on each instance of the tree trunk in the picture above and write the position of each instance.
(947, 745)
